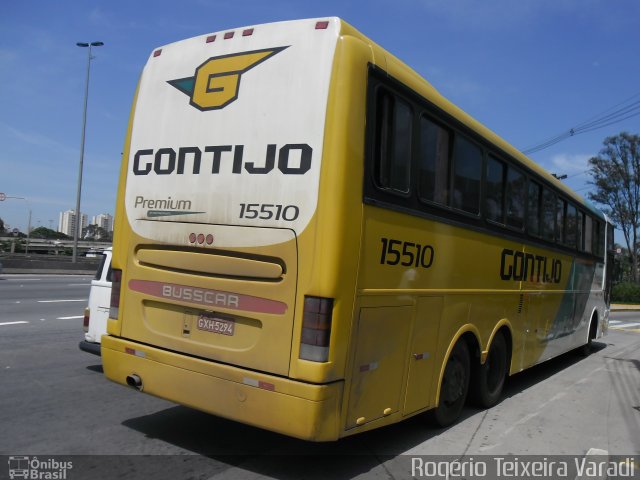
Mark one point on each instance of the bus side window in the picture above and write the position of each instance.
(393, 142)
(515, 198)
(588, 234)
(570, 236)
(467, 169)
(434, 162)
(598, 238)
(561, 212)
(533, 215)
(580, 226)
(548, 214)
(494, 184)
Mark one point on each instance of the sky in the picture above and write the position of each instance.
(527, 69)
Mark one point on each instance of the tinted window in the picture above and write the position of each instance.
(393, 142)
(588, 234)
(467, 168)
(561, 211)
(109, 273)
(100, 267)
(580, 233)
(515, 199)
(494, 199)
(598, 238)
(433, 183)
(548, 219)
(571, 221)
(533, 217)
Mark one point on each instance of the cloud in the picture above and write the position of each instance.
(570, 163)
(37, 140)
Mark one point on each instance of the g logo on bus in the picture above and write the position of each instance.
(216, 82)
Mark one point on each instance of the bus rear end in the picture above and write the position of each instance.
(220, 177)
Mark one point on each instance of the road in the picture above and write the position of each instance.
(54, 400)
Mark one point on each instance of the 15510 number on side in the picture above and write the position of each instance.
(407, 254)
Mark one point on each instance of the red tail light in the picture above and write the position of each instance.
(85, 320)
(316, 329)
(116, 283)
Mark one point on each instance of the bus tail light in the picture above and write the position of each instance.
(316, 329)
(85, 319)
(116, 283)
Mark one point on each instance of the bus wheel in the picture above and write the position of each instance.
(454, 387)
(587, 348)
(489, 378)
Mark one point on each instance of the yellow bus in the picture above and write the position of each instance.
(310, 239)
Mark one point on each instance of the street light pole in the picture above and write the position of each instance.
(78, 226)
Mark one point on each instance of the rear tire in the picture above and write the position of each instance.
(454, 386)
(587, 348)
(487, 384)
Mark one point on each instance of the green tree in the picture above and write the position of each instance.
(47, 233)
(616, 177)
(1, 226)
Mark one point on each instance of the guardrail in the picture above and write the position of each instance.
(57, 247)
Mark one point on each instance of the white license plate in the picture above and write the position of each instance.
(213, 324)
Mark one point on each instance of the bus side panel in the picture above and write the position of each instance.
(330, 247)
(379, 366)
(421, 362)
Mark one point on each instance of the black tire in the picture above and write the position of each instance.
(489, 378)
(454, 386)
(587, 348)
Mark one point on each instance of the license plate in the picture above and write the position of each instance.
(213, 324)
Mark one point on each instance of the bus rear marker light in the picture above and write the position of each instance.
(259, 384)
(228, 35)
(137, 353)
(369, 367)
(322, 25)
(211, 38)
(248, 32)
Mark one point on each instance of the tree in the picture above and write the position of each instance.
(89, 232)
(47, 233)
(616, 177)
(1, 226)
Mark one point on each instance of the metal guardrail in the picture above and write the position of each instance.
(57, 246)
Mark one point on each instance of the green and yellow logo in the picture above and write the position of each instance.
(216, 82)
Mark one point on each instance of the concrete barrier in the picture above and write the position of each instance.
(48, 264)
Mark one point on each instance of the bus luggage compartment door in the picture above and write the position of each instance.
(380, 363)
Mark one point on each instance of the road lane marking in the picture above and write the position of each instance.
(626, 325)
(70, 318)
(23, 279)
(13, 323)
(60, 301)
(78, 284)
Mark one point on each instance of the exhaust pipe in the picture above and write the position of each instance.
(134, 381)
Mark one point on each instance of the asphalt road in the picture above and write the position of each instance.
(54, 401)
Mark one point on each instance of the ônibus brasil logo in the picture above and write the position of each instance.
(216, 82)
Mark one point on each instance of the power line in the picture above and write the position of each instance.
(605, 118)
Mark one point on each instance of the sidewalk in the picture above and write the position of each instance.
(621, 307)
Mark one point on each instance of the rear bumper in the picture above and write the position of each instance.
(89, 347)
(297, 409)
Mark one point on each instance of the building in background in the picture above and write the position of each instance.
(104, 221)
(67, 223)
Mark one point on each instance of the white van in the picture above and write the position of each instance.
(97, 313)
